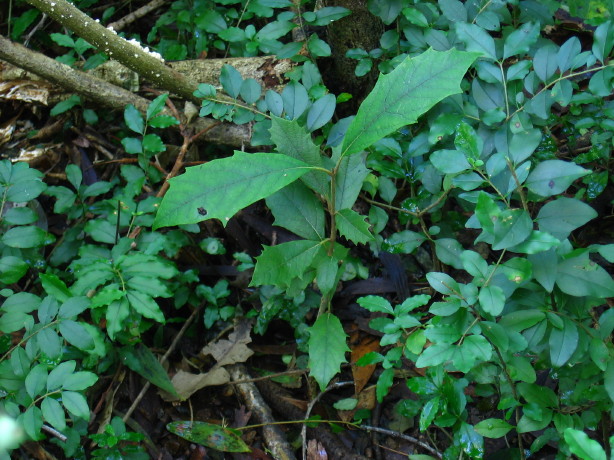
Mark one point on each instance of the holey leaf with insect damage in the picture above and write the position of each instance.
(221, 188)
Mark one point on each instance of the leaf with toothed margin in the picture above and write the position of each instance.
(221, 188)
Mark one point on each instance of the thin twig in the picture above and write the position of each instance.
(310, 407)
(136, 14)
(54, 432)
(408, 438)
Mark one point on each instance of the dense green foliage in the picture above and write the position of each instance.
(455, 144)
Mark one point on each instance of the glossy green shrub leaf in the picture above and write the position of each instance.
(327, 275)
(448, 250)
(567, 52)
(324, 16)
(295, 99)
(522, 319)
(13, 321)
(53, 413)
(156, 106)
(512, 227)
(443, 283)
(36, 380)
(21, 23)
(318, 48)
(73, 306)
(152, 144)
(132, 145)
(134, 120)
(470, 440)
(384, 383)
(599, 353)
(226, 186)
(536, 242)
(321, 112)
(327, 348)
(250, 91)
(32, 422)
(79, 381)
(55, 287)
(435, 355)
(580, 276)
(209, 435)
(563, 342)
(117, 312)
(407, 92)
(76, 334)
(49, 341)
(404, 242)
(429, 412)
(142, 361)
(521, 39)
(12, 269)
(25, 237)
(523, 144)
(76, 404)
(582, 446)
(65, 105)
(232, 34)
(274, 102)
(553, 177)
(563, 215)
(162, 121)
(376, 304)
(274, 30)
(453, 10)
(20, 216)
(545, 62)
(145, 305)
(476, 39)
(449, 161)
(19, 182)
(211, 21)
(474, 264)
(603, 41)
(492, 299)
(475, 348)
(59, 374)
(231, 80)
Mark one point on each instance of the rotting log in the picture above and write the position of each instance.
(106, 94)
(139, 60)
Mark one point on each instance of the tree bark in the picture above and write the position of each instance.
(360, 29)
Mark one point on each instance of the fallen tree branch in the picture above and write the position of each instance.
(137, 14)
(274, 437)
(133, 56)
(107, 94)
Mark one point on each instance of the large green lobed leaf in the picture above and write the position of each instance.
(407, 92)
(221, 188)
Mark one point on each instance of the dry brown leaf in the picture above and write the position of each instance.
(362, 374)
(186, 383)
(233, 350)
